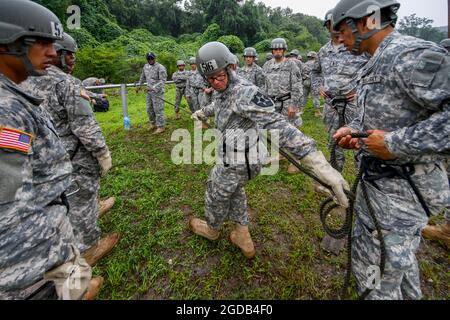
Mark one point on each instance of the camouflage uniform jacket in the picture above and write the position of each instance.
(72, 115)
(405, 90)
(29, 181)
(155, 76)
(180, 78)
(254, 74)
(244, 106)
(336, 70)
(195, 83)
(282, 78)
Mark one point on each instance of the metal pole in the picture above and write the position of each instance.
(126, 119)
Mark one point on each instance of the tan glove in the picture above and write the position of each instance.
(199, 115)
(105, 163)
(317, 163)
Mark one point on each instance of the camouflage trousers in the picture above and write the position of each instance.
(401, 218)
(315, 95)
(193, 102)
(180, 92)
(45, 253)
(296, 121)
(84, 210)
(332, 123)
(155, 109)
(225, 195)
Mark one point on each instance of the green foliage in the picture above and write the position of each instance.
(233, 43)
(212, 33)
(83, 38)
(263, 46)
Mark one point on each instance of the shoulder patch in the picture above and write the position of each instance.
(430, 61)
(262, 100)
(14, 139)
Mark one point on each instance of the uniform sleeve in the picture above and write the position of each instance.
(209, 110)
(261, 109)
(316, 75)
(425, 78)
(162, 76)
(260, 78)
(81, 119)
(15, 166)
(296, 87)
(142, 78)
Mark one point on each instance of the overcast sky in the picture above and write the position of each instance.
(432, 9)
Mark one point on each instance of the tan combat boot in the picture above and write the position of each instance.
(93, 289)
(177, 116)
(318, 114)
(159, 130)
(201, 228)
(205, 125)
(438, 233)
(293, 169)
(106, 205)
(101, 248)
(240, 236)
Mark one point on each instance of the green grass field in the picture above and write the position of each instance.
(159, 258)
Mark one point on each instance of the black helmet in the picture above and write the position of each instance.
(66, 44)
(212, 57)
(351, 10)
(26, 20)
(150, 56)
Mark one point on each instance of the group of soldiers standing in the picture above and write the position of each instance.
(393, 88)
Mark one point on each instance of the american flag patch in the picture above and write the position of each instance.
(15, 139)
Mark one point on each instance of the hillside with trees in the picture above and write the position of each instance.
(116, 34)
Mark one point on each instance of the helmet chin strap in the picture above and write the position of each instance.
(361, 37)
(20, 50)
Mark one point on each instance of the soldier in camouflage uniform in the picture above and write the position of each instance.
(194, 87)
(334, 76)
(293, 55)
(180, 79)
(66, 50)
(307, 85)
(36, 237)
(155, 75)
(404, 95)
(86, 146)
(441, 232)
(251, 71)
(239, 105)
(284, 86)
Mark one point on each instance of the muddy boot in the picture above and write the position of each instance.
(438, 233)
(292, 169)
(159, 130)
(318, 114)
(201, 228)
(152, 127)
(101, 248)
(106, 205)
(240, 236)
(93, 289)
